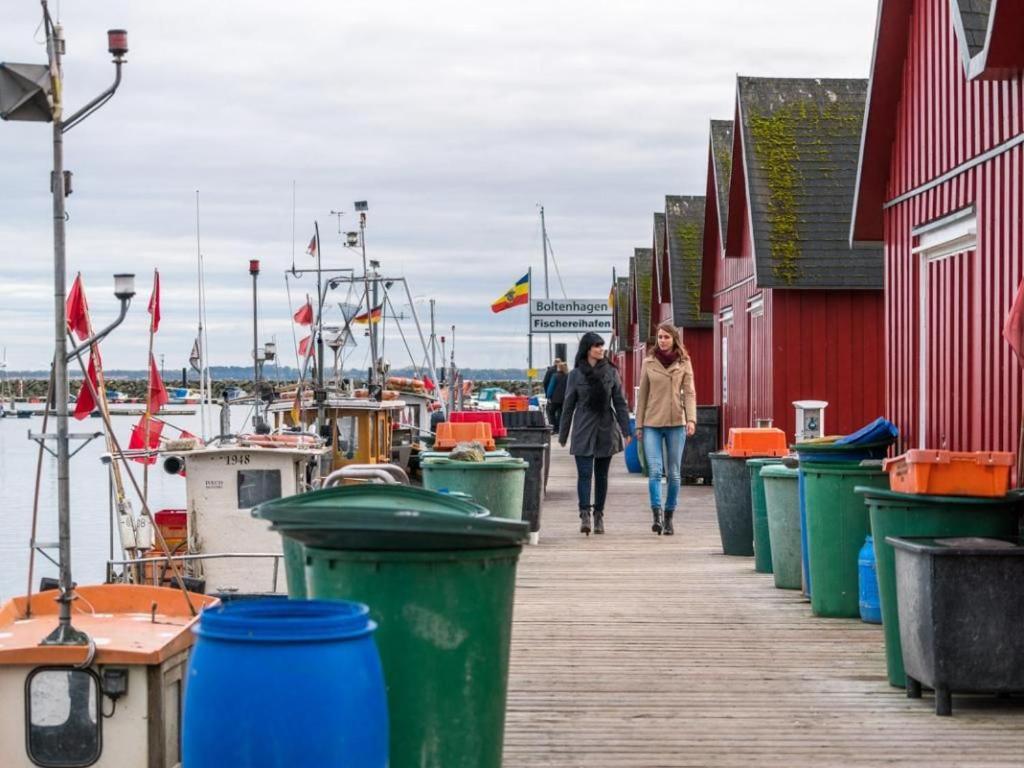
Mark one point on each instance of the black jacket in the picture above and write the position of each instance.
(594, 432)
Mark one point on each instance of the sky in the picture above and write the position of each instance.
(453, 120)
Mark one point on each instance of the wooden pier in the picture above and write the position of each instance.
(631, 650)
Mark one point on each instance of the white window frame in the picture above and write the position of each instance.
(935, 241)
(725, 320)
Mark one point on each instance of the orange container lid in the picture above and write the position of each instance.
(756, 441)
(930, 456)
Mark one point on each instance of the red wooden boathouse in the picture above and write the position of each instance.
(798, 313)
(940, 184)
(640, 278)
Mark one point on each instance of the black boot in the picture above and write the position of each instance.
(598, 521)
(667, 529)
(585, 521)
(656, 525)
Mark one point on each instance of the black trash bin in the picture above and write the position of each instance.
(536, 456)
(703, 442)
(529, 428)
(961, 607)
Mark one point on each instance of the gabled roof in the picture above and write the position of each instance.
(1001, 56)
(622, 313)
(800, 141)
(721, 153)
(658, 278)
(684, 224)
(640, 284)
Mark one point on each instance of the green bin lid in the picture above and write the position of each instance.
(920, 499)
(488, 464)
(779, 470)
(763, 461)
(389, 517)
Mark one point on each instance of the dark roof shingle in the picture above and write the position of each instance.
(684, 223)
(721, 151)
(801, 141)
(974, 15)
(640, 275)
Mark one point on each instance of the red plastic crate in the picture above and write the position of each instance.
(449, 434)
(488, 417)
(950, 473)
(513, 403)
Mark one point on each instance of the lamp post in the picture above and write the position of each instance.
(117, 45)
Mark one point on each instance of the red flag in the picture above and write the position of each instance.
(78, 310)
(154, 304)
(1013, 331)
(157, 397)
(306, 347)
(311, 248)
(428, 384)
(305, 314)
(86, 403)
(138, 441)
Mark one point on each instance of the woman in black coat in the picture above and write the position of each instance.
(596, 413)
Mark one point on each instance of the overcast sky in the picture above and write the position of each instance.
(453, 119)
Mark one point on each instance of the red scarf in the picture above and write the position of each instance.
(666, 358)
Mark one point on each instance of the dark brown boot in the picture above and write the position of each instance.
(598, 522)
(585, 521)
(667, 528)
(657, 524)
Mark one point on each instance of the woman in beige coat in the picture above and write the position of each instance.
(666, 413)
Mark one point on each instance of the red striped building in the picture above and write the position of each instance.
(940, 185)
(798, 313)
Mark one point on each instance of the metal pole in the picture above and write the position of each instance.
(320, 395)
(369, 308)
(529, 329)
(64, 634)
(433, 338)
(547, 291)
(254, 270)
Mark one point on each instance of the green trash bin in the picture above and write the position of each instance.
(496, 484)
(913, 515)
(438, 574)
(837, 523)
(762, 541)
(782, 504)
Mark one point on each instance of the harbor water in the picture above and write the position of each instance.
(91, 539)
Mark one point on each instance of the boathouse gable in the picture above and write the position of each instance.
(940, 183)
(798, 314)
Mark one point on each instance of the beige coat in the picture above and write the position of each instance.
(667, 397)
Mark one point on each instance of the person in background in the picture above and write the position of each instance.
(596, 414)
(550, 373)
(666, 413)
(555, 393)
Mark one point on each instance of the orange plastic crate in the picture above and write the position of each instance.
(514, 403)
(747, 442)
(950, 473)
(449, 434)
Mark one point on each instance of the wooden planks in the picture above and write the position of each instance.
(637, 651)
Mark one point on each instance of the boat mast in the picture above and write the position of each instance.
(320, 394)
(547, 290)
(203, 394)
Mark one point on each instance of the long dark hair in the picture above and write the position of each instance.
(590, 339)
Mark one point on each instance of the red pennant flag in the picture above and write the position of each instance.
(428, 384)
(86, 403)
(78, 310)
(154, 304)
(306, 347)
(139, 442)
(157, 397)
(305, 314)
(1013, 331)
(311, 248)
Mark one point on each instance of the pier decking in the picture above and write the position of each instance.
(631, 650)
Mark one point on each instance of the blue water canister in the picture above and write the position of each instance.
(282, 683)
(632, 452)
(870, 605)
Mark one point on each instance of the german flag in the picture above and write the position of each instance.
(373, 316)
(514, 296)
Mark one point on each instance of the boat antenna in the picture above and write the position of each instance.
(294, 273)
(320, 392)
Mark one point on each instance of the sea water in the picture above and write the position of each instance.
(92, 540)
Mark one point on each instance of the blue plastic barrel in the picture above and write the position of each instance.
(276, 683)
(632, 452)
(867, 576)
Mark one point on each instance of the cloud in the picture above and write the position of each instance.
(454, 119)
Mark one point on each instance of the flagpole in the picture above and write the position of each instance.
(203, 394)
(321, 394)
(149, 396)
(529, 328)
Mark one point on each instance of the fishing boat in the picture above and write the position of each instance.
(183, 396)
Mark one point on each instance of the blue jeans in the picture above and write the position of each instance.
(663, 450)
(590, 469)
